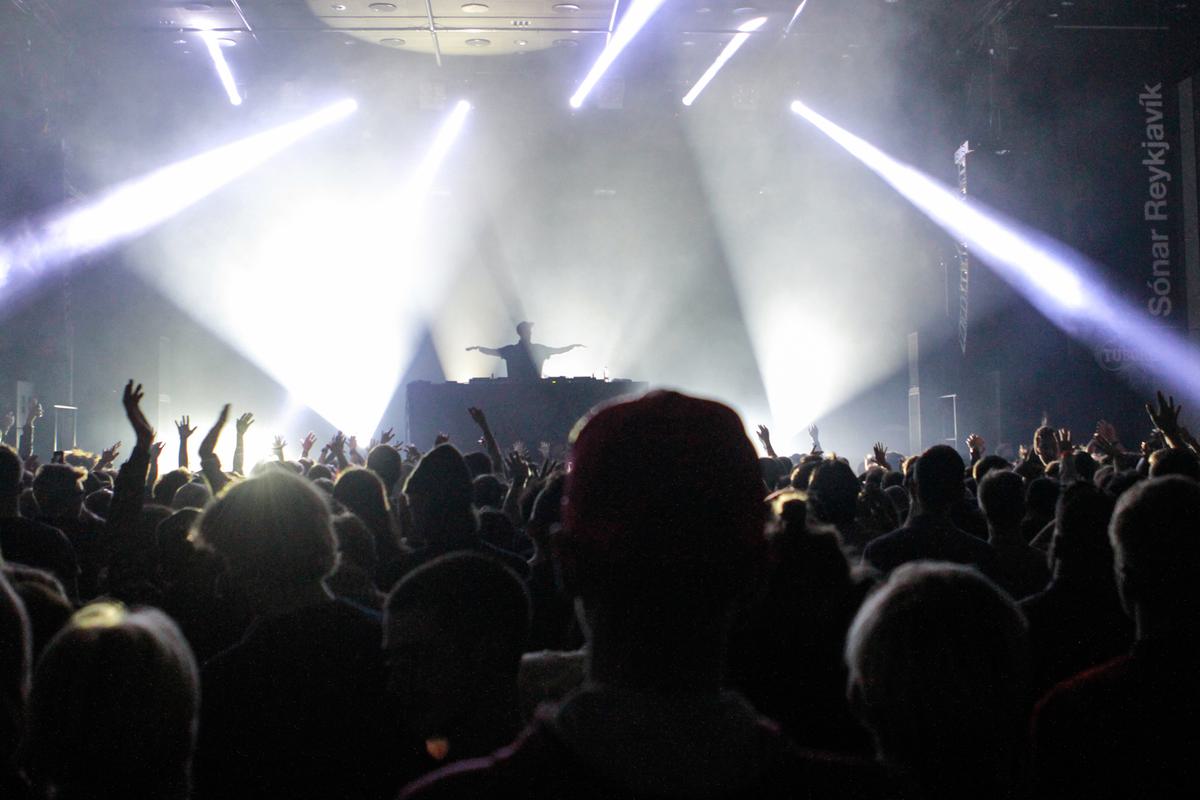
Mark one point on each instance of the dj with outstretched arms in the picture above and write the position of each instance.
(525, 358)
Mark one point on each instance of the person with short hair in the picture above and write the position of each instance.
(1021, 569)
(297, 708)
(1077, 622)
(454, 632)
(662, 536)
(27, 541)
(938, 661)
(1128, 728)
(929, 533)
(524, 359)
(112, 713)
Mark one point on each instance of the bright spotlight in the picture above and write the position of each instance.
(734, 45)
(222, 66)
(294, 246)
(1052, 276)
(795, 16)
(1016, 255)
(636, 17)
(422, 180)
(142, 203)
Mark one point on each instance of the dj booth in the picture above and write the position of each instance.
(527, 411)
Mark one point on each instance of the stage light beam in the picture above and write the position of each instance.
(734, 45)
(1016, 255)
(1059, 281)
(635, 19)
(422, 179)
(139, 204)
(222, 66)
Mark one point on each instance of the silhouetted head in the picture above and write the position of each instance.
(318, 472)
(384, 461)
(362, 492)
(454, 632)
(938, 662)
(272, 531)
(46, 603)
(1080, 544)
(938, 478)
(1041, 496)
(59, 489)
(1044, 444)
(1156, 546)
(169, 484)
(478, 463)
(1174, 461)
(11, 472)
(192, 495)
(488, 491)
(440, 495)
(985, 465)
(833, 492)
(1002, 498)
(663, 509)
(524, 331)
(113, 707)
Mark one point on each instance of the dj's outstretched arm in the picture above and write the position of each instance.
(487, 351)
(555, 351)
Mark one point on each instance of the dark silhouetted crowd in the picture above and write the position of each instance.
(666, 614)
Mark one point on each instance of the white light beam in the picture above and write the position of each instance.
(635, 19)
(734, 45)
(139, 204)
(222, 66)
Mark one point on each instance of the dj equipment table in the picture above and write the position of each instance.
(527, 411)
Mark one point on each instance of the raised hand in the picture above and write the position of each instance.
(337, 445)
(1106, 431)
(156, 449)
(1166, 418)
(411, 451)
(548, 467)
(879, 453)
(7, 422)
(387, 436)
(1062, 438)
(244, 422)
(132, 399)
(209, 443)
(441, 439)
(108, 456)
(352, 443)
(278, 443)
(478, 417)
(518, 467)
(976, 445)
(184, 428)
(814, 433)
(307, 444)
(764, 437)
